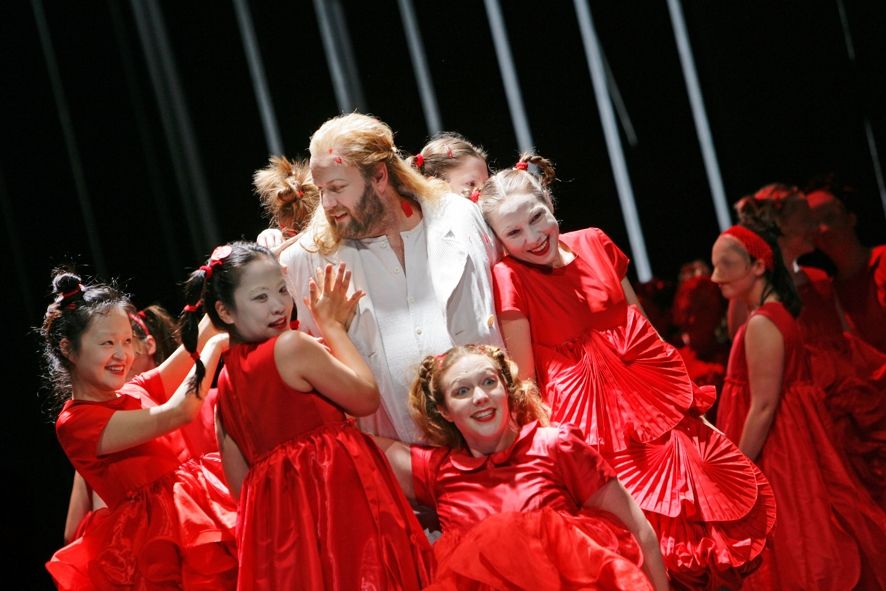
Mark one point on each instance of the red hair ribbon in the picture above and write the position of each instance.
(521, 166)
(754, 244)
(137, 318)
(69, 294)
(195, 356)
(475, 195)
(193, 307)
(419, 160)
(216, 258)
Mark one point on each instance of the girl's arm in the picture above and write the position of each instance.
(339, 373)
(78, 507)
(128, 428)
(518, 340)
(175, 367)
(400, 458)
(765, 355)
(612, 497)
(233, 462)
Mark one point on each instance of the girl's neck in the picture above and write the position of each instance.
(754, 297)
(91, 393)
(507, 439)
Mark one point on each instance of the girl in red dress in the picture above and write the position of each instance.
(170, 520)
(850, 371)
(830, 534)
(319, 505)
(452, 158)
(521, 505)
(569, 318)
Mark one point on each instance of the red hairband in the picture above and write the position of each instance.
(522, 166)
(419, 160)
(193, 307)
(69, 294)
(141, 323)
(754, 244)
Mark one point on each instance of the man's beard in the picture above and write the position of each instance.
(366, 218)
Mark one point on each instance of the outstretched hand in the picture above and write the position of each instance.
(328, 299)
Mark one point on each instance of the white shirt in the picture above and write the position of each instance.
(444, 298)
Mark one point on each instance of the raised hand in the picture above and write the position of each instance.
(328, 298)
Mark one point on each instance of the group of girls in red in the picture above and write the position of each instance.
(579, 459)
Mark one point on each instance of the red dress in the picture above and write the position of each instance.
(603, 368)
(829, 533)
(863, 298)
(853, 376)
(320, 507)
(515, 519)
(169, 524)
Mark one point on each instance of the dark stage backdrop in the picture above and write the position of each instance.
(783, 99)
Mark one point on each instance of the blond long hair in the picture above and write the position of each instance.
(363, 141)
(426, 396)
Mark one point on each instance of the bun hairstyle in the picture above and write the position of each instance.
(287, 193)
(445, 151)
(68, 316)
(214, 282)
(769, 205)
(426, 395)
(519, 179)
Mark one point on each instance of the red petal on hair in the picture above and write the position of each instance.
(521, 166)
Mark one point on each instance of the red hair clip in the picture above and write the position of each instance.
(193, 307)
(419, 160)
(216, 258)
(521, 166)
(475, 195)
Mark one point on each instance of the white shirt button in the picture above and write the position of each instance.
(417, 331)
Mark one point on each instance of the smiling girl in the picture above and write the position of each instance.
(169, 522)
(570, 319)
(521, 505)
(319, 506)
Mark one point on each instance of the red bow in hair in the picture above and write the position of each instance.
(521, 166)
(216, 258)
(419, 160)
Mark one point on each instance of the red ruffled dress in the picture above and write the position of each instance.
(852, 374)
(169, 523)
(515, 519)
(830, 534)
(320, 507)
(603, 368)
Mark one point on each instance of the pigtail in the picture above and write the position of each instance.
(189, 322)
(424, 403)
(526, 403)
(546, 173)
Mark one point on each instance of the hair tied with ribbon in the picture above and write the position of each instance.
(522, 166)
(419, 160)
(216, 258)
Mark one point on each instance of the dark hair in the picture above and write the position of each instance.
(445, 151)
(160, 325)
(214, 282)
(67, 317)
(769, 205)
(426, 395)
(779, 280)
(519, 180)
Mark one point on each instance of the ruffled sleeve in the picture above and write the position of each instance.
(508, 289)
(581, 467)
(150, 383)
(614, 254)
(79, 427)
(426, 462)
